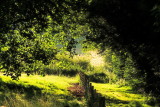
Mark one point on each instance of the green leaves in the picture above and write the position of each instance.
(36, 37)
(20, 52)
(34, 32)
(156, 15)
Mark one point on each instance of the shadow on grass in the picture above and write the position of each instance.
(126, 91)
(112, 102)
(11, 93)
(10, 99)
(116, 101)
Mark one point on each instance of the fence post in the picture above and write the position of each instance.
(93, 98)
(102, 102)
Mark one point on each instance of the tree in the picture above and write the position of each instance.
(132, 26)
(31, 30)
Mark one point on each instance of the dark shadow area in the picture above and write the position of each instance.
(116, 101)
(71, 72)
(99, 78)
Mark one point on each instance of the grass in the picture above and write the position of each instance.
(53, 84)
(38, 91)
(51, 91)
(117, 96)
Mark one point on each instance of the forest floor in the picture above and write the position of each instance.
(52, 91)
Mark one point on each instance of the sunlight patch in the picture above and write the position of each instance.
(96, 60)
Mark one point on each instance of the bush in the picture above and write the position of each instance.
(66, 69)
(99, 77)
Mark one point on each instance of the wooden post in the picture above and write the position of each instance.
(93, 98)
(102, 102)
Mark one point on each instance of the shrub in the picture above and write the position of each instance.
(99, 77)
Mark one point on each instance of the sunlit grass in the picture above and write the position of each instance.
(53, 84)
(120, 95)
(55, 94)
(53, 91)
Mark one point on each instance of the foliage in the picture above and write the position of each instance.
(26, 14)
(122, 69)
(20, 53)
(28, 49)
(99, 78)
(132, 27)
(66, 65)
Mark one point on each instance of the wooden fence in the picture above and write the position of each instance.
(93, 98)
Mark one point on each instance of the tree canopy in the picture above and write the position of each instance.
(34, 31)
(132, 26)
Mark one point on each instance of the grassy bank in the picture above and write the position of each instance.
(38, 91)
(51, 91)
(123, 96)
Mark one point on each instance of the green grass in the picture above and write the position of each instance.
(49, 84)
(51, 91)
(38, 91)
(117, 96)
